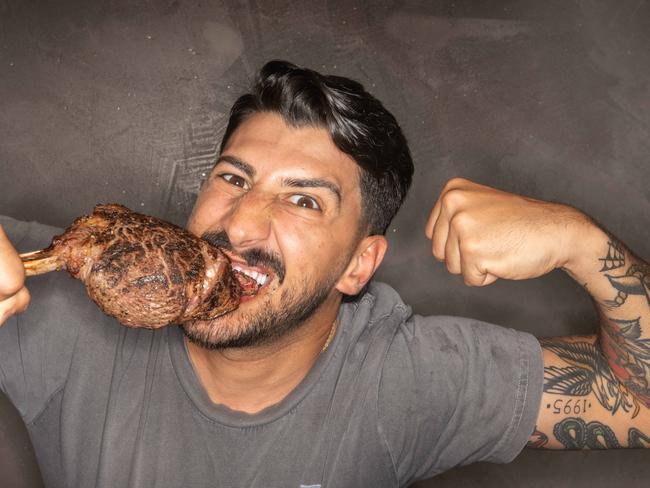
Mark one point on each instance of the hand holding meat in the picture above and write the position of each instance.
(486, 234)
(14, 297)
(141, 270)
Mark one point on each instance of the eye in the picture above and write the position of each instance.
(234, 180)
(304, 202)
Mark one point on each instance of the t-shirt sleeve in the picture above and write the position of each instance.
(36, 347)
(455, 391)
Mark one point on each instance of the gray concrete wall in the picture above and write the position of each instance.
(125, 101)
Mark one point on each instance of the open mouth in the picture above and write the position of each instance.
(252, 280)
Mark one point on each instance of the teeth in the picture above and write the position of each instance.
(261, 278)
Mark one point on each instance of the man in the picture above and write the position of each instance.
(324, 378)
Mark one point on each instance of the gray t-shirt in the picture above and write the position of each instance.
(395, 398)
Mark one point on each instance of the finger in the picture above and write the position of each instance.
(439, 235)
(489, 279)
(6, 310)
(16, 304)
(452, 184)
(433, 217)
(21, 300)
(452, 252)
(12, 272)
(473, 273)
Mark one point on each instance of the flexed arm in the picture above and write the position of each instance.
(619, 283)
(596, 391)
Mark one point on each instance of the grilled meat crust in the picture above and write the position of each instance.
(144, 271)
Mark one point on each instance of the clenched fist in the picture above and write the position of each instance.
(486, 234)
(14, 297)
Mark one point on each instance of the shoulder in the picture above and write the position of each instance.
(449, 383)
(451, 352)
(437, 338)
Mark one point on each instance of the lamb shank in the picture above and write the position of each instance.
(143, 271)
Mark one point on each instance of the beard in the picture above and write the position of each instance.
(268, 322)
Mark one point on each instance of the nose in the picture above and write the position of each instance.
(248, 223)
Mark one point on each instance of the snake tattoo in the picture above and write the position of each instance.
(575, 433)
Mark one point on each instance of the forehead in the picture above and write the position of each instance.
(270, 145)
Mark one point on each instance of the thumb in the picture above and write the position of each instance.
(489, 279)
(475, 275)
(479, 279)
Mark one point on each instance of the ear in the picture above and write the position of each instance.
(365, 261)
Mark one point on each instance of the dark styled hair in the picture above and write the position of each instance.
(359, 124)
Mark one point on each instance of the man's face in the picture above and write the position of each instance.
(286, 206)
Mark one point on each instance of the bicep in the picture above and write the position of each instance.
(584, 405)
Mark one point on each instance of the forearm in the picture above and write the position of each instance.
(619, 283)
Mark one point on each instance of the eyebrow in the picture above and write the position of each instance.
(314, 183)
(291, 182)
(239, 164)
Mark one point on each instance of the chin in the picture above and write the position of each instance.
(230, 329)
(268, 315)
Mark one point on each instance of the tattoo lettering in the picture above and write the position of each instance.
(629, 355)
(636, 281)
(615, 256)
(575, 433)
(538, 439)
(589, 371)
(570, 406)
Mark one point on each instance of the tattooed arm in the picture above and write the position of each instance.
(596, 388)
(619, 283)
(585, 405)
(596, 391)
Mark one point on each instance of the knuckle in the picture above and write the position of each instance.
(454, 199)
(11, 283)
(15, 304)
(9, 286)
(461, 221)
(12, 273)
(24, 298)
(470, 246)
(455, 182)
(451, 198)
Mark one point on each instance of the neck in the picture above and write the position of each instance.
(251, 379)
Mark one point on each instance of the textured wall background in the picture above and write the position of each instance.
(125, 101)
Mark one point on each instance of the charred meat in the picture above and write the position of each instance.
(141, 270)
